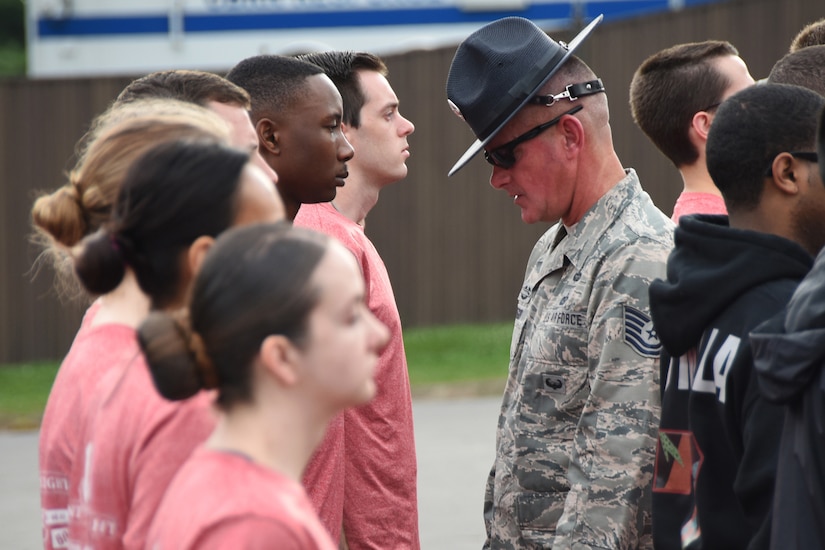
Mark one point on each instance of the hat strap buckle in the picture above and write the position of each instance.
(571, 92)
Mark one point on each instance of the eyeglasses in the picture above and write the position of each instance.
(504, 157)
(810, 156)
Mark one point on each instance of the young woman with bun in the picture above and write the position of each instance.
(173, 202)
(279, 328)
(107, 336)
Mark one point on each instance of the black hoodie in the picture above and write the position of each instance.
(789, 355)
(718, 437)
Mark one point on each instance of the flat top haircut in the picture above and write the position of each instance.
(670, 87)
(813, 34)
(197, 87)
(342, 68)
(804, 67)
(274, 82)
(750, 129)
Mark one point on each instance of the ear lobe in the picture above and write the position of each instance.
(279, 357)
(268, 135)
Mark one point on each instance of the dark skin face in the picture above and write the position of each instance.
(307, 147)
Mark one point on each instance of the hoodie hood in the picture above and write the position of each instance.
(789, 349)
(710, 267)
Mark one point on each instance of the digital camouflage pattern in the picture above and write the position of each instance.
(577, 430)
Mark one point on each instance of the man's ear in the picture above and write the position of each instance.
(197, 253)
(700, 124)
(268, 135)
(279, 356)
(573, 132)
(784, 174)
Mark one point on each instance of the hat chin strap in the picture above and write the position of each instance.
(571, 92)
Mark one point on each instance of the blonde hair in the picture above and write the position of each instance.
(116, 139)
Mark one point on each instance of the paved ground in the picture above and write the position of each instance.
(455, 440)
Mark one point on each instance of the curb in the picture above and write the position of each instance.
(476, 388)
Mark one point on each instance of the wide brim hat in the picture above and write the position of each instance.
(497, 69)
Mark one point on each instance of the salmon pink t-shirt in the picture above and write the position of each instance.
(132, 446)
(95, 351)
(698, 203)
(380, 507)
(221, 500)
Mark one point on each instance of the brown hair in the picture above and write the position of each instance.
(671, 86)
(804, 67)
(256, 281)
(62, 218)
(196, 87)
(342, 68)
(813, 34)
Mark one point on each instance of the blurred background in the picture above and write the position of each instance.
(455, 249)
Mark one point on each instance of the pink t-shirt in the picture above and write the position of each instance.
(698, 203)
(221, 500)
(380, 507)
(95, 351)
(132, 446)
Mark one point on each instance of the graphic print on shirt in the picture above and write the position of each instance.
(55, 520)
(678, 456)
(723, 355)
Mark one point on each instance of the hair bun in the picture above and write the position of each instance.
(60, 215)
(165, 342)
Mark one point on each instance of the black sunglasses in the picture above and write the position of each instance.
(810, 156)
(503, 156)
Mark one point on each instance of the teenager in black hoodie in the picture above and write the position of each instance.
(716, 460)
(789, 354)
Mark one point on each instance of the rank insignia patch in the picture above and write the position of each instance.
(639, 333)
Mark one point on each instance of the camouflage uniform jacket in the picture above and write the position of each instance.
(577, 430)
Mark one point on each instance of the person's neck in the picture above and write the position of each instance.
(697, 180)
(125, 305)
(356, 198)
(279, 433)
(594, 180)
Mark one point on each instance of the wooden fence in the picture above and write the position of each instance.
(455, 249)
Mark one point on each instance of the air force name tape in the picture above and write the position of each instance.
(639, 333)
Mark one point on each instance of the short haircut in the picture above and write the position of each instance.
(342, 68)
(670, 87)
(274, 82)
(805, 67)
(813, 34)
(197, 87)
(750, 129)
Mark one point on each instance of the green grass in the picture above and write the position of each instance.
(458, 353)
(23, 392)
(435, 355)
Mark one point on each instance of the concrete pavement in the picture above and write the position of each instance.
(455, 440)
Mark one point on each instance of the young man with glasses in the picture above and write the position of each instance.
(727, 275)
(789, 356)
(674, 95)
(578, 421)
